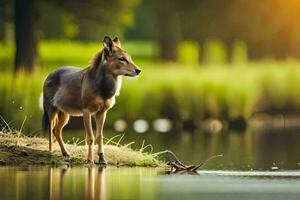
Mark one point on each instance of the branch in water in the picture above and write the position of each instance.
(178, 166)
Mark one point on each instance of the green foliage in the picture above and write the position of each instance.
(188, 53)
(55, 53)
(169, 90)
(19, 97)
(239, 54)
(172, 92)
(63, 53)
(6, 56)
(214, 52)
(100, 17)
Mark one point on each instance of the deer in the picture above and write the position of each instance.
(89, 92)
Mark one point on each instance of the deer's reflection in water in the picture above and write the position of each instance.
(94, 184)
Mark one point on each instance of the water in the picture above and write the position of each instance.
(144, 183)
(259, 163)
(253, 149)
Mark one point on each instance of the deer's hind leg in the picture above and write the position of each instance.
(52, 114)
(62, 120)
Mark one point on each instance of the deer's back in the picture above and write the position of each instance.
(62, 89)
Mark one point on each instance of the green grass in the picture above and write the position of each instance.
(60, 53)
(172, 90)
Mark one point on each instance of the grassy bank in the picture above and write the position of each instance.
(17, 149)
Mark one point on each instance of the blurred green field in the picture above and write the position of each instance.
(180, 92)
(63, 52)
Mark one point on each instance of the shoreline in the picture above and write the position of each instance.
(16, 149)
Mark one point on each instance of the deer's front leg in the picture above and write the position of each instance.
(89, 135)
(100, 119)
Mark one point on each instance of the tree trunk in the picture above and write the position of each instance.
(167, 29)
(200, 43)
(2, 21)
(25, 36)
(2, 30)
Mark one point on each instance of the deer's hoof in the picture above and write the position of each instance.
(65, 154)
(102, 161)
(90, 163)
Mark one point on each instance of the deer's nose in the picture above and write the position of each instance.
(138, 71)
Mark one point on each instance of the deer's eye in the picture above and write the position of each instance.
(122, 59)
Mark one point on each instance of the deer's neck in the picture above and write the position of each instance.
(105, 83)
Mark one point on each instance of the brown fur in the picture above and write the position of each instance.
(88, 92)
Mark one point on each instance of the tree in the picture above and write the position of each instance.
(5, 16)
(167, 28)
(26, 56)
(99, 17)
(2, 23)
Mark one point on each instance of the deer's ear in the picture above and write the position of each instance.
(108, 45)
(117, 42)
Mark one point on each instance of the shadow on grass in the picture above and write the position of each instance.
(20, 155)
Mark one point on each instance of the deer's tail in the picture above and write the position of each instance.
(45, 122)
(46, 126)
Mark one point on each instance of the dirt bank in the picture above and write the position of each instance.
(18, 149)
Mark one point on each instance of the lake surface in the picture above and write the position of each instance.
(144, 183)
(271, 147)
(261, 162)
